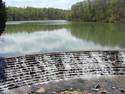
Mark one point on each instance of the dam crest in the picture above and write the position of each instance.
(41, 68)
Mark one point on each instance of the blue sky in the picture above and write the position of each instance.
(63, 4)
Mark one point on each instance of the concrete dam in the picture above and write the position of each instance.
(41, 68)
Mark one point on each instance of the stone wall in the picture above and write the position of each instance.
(31, 69)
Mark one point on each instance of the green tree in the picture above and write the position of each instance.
(99, 10)
(2, 16)
(30, 13)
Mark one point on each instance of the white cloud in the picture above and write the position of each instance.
(63, 4)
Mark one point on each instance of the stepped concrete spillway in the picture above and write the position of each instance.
(41, 68)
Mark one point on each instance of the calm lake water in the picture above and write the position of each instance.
(29, 37)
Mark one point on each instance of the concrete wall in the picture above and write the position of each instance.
(30, 69)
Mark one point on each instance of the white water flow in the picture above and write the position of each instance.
(43, 68)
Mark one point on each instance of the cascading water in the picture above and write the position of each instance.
(41, 68)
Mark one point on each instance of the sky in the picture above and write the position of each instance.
(62, 4)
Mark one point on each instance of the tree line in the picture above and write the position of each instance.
(2, 16)
(30, 13)
(99, 10)
(87, 10)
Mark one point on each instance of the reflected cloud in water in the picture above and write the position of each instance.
(21, 43)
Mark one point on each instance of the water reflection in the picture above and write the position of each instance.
(35, 37)
(33, 26)
(104, 34)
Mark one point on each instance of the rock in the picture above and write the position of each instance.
(97, 86)
(41, 90)
(54, 92)
(113, 87)
(100, 90)
(96, 90)
(122, 90)
(71, 88)
(104, 92)
(74, 92)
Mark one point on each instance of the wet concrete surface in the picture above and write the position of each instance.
(112, 85)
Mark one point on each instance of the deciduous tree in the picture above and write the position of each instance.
(2, 16)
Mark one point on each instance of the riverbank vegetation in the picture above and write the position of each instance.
(99, 10)
(2, 16)
(30, 13)
(87, 11)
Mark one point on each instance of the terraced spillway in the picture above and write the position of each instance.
(41, 68)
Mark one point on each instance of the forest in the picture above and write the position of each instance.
(99, 10)
(87, 11)
(30, 13)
